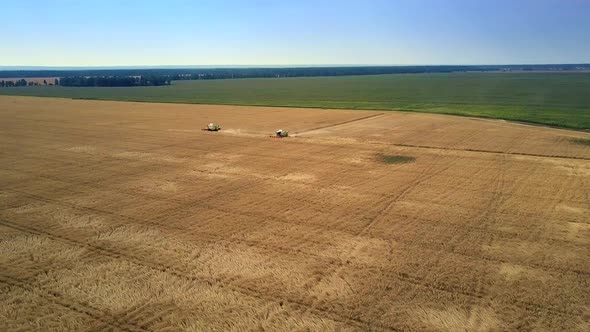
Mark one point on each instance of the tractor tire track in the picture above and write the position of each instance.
(490, 152)
(170, 269)
(397, 239)
(55, 297)
(340, 123)
(166, 267)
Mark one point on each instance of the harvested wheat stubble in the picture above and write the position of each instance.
(125, 216)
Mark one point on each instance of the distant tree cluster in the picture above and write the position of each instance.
(6, 84)
(23, 82)
(114, 81)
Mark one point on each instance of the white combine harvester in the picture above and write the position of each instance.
(282, 133)
(213, 127)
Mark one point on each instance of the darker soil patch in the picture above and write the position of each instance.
(392, 159)
(581, 141)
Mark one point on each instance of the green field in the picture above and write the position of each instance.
(558, 99)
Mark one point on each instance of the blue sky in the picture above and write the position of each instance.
(297, 32)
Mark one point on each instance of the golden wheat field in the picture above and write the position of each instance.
(129, 217)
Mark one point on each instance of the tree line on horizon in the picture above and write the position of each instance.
(23, 82)
(115, 81)
(95, 81)
(164, 76)
(211, 73)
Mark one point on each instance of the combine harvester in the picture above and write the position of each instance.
(213, 127)
(282, 133)
(216, 127)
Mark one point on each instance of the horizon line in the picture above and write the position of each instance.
(221, 66)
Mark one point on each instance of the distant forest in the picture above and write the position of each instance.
(164, 76)
(114, 81)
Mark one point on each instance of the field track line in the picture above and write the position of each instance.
(420, 177)
(401, 277)
(131, 218)
(94, 185)
(154, 222)
(129, 317)
(213, 237)
(171, 227)
(247, 291)
(90, 182)
(503, 122)
(174, 271)
(134, 313)
(340, 123)
(399, 240)
(487, 151)
(69, 304)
